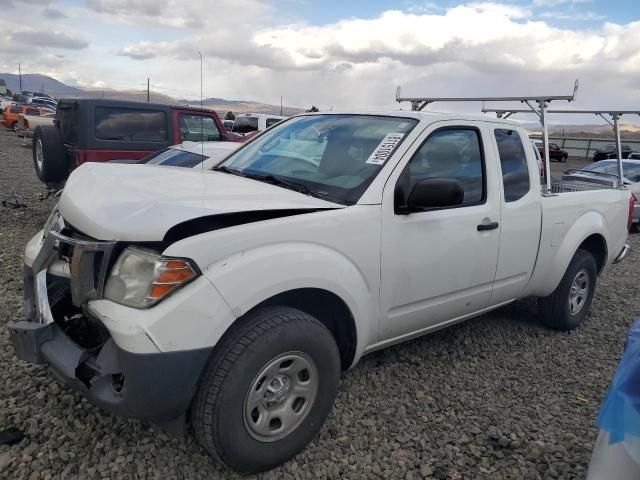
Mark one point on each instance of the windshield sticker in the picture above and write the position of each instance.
(382, 151)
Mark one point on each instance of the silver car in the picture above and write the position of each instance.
(606, 172)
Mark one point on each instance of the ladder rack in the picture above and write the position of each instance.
(419, 103)
(614, 122)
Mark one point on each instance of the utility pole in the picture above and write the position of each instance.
(20, 75)
(280, 105)
(147, 89)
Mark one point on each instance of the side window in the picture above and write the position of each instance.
(15, 110)
(197, 128)
(454, 153)
(128, 124)
(33, 111)
(515, 171)
(273, 121)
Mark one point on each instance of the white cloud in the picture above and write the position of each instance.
(190, 14)
(249, 53)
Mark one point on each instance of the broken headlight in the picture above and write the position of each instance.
(141, 278)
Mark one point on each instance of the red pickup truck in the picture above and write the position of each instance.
(100, 130)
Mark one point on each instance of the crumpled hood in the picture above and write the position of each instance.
(142, 202)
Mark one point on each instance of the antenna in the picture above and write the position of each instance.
(201, 117)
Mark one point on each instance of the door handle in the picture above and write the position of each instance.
(483, 227)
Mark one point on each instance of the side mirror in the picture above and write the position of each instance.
(435, 193)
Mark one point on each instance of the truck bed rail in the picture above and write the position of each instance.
(561, 186)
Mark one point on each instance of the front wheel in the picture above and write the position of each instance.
(267, 390)
(569, 303)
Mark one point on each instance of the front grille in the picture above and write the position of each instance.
(88, 258)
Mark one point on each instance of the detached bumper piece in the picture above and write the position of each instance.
(622, 254)
(152, 386)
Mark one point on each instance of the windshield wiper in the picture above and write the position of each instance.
(271, 179)
(232, 171)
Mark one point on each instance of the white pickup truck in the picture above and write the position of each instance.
(233, 297)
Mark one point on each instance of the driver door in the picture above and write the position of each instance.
(437, 265)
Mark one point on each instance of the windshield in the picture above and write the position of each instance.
(334, 157)
(173, 157)
(630, 170)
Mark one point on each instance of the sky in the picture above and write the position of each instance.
(333, 54)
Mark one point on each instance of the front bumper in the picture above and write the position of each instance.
(62, 275)
(148, 386)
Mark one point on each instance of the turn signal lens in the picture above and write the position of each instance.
(169, 276)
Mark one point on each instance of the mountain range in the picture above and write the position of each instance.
(42, 83)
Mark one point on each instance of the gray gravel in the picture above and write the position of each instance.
(496, 397)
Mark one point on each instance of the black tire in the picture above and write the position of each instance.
(50, 162)
(219, 411)
(14, 127)
(563, 158)
(556, 309)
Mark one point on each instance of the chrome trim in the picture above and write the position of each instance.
(623, 253)
(85, 284)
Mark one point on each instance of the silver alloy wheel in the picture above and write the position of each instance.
(578, 292)
(39, 155)
(281, 396)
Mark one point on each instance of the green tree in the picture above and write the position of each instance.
(313, 109)
(229, 116)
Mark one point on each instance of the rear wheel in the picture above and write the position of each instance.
(14, 127)
(267, 389)
(569, 303)
(563, 158)
(49, 154)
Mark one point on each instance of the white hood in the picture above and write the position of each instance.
(141, 202)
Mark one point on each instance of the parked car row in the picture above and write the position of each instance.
(606, 152)
(12, 113)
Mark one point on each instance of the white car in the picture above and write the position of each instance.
(235, 296)
(28, 123)
(191, 154)
(246, 123)
(5, 102)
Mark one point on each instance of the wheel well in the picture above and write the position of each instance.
(597, 246)
(329, 309)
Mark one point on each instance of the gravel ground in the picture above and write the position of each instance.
(496, 397)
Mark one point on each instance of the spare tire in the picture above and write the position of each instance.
(49, 154)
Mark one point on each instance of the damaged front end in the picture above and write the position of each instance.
(69, 271)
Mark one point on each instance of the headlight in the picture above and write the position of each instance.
(141, 278)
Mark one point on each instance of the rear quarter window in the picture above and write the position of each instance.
(128, 124)
(513, 161)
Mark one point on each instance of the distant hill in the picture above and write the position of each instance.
(627, 131)
(41, 83)
(242, 106)
(34, 82)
